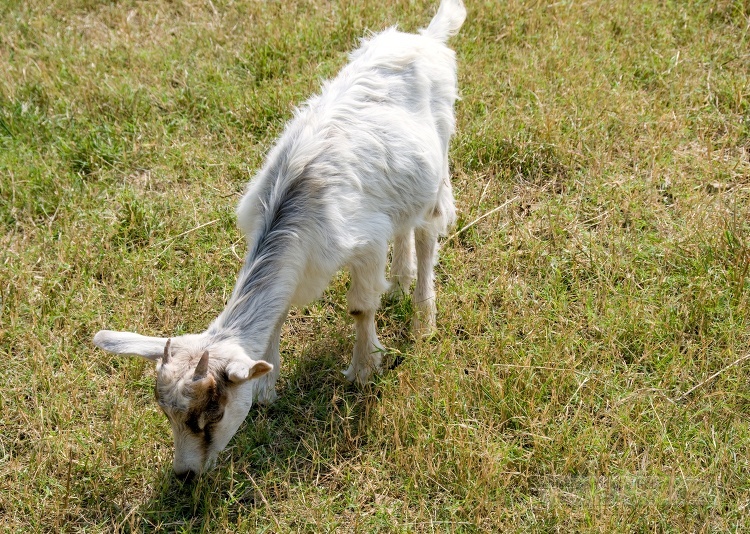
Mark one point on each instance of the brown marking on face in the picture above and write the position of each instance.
(355, 313)
(208, 398)
(194, 408)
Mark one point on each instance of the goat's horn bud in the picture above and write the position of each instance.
(201, 370)
(165, 358)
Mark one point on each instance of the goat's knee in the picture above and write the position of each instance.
(368, 279)
(368, 352)
(363, 299)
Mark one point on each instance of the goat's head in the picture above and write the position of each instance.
(204, 389)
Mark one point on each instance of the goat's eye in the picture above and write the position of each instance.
(216, 417)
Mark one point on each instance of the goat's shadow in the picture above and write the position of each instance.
(318, 421)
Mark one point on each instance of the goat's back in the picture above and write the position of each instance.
(366, 157)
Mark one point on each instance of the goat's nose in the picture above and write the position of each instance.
(185, 476)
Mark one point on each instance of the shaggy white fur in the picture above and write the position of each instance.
(363, 163)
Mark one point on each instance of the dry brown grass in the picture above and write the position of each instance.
(572, 323)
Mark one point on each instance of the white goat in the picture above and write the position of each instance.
(364, 162)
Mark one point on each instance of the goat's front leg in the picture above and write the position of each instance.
(267, 383)
(363, 299)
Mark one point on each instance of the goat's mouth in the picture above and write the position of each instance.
(186, 476)
(189, 471)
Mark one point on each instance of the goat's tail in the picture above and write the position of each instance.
(448, 20)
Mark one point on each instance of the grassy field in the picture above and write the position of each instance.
(591, 367)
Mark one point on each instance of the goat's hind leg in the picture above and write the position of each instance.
(426, 241)
(367, 285)
(424, 292)
(402, 266)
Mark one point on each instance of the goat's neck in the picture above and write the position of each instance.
(261, 298)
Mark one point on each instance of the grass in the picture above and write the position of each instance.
(589, 373)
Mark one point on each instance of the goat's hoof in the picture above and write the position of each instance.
(361, 376)
(351, 375)
(424, 329)
(397, 290)
(267, 398)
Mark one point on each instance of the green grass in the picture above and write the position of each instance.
(589, 373)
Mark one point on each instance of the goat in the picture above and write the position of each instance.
(364, 162)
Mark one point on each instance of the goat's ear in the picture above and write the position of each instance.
(151, 348)
(241, 371)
